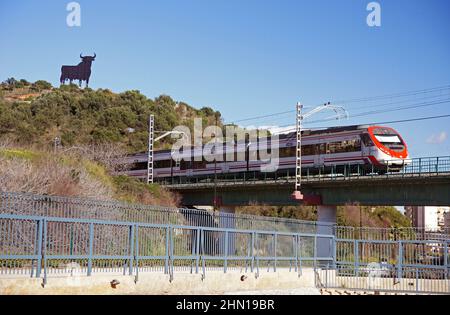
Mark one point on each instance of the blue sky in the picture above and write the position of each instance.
(246, 57)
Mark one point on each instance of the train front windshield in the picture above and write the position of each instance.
(389, 138)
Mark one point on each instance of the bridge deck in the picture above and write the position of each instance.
(426, 181)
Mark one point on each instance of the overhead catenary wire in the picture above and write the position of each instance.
(378, 111)
(375, 112)
(365, 99)
(379, 122)
(382, 111)
(395, 95)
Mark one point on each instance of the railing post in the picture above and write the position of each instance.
(400, 260)
(44, 250)
(202, 244)
(446, 265)
(315, 252)
(171, 255)
(136, 253)
(131, 250)
(197, 245)
(293, 261)
(252, 254)
(356, 256)
(39, 248)
(166, 253)
(334, 262)
(275, 236)
(225, 263)
(91, 248)
(257, 255)
(417, 279)
(296, 241)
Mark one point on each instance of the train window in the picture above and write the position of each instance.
(139, 166)
(353, 145)
(384, 132)
(308, 149)
(287, 152)
(319, 148)
(184, 165)
(365, 138)
(389, 138)
(333, 147)
(343, 146)
(392, 142)
(199, 164)
(162, 164)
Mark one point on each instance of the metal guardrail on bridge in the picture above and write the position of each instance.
(418, 167)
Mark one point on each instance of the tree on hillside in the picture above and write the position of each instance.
(9, 83)
(86, 116)
(41, 85)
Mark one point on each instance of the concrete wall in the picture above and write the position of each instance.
(216, 282)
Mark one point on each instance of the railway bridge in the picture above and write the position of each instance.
(424, 182)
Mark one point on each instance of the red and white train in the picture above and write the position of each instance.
(373, 148)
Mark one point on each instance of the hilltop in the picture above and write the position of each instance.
(36, 113)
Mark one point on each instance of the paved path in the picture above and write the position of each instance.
(298, 291)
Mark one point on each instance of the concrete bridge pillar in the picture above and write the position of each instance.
(326, 219)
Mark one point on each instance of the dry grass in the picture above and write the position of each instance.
(109, 155)
(77, 171)
(21, 171)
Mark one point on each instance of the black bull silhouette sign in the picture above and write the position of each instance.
(80, 72)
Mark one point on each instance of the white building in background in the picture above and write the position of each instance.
(447, 220)
(430, 218)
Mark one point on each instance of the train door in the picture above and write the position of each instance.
(319, 154)
(367, 147)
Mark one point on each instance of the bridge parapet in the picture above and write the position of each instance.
(419, 167)
(424, 182)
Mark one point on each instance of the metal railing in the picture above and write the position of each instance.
(384, 264)
(417, 167)
(50, 235)
(416, 280)
(44, 246)
(390, 234)
(86, 208)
